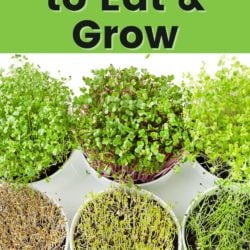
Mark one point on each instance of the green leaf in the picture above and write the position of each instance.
(160, 157)
(155, 148)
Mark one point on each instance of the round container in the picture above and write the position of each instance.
(205, 172)
(156, 198)
(65, 218)
(148, 185)
(196, 202)
(62, 213)
(192, 206)
(53, 176)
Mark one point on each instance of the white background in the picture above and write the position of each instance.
(78, 65)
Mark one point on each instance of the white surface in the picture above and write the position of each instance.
(70, 186)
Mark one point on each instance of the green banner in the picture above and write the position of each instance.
(148, 26)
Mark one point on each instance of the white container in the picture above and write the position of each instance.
(205, 172)
(53, 176)
(192, 206)
(152, 185)
(196, 202)
(62, 213)
(156, 198)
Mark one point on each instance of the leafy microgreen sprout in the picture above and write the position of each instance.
(130, 123)
(35, 122)
(218, 119)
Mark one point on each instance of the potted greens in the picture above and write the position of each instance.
(130, 124)
(123, 218)
(30, 220)
(217, 118)
(218, 219)
(35, 123)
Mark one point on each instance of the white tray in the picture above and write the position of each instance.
(70, 186)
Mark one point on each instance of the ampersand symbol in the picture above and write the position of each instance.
(194, 4)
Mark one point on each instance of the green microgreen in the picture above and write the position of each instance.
(35, 122)
(218, 119)
(130, 122)
(221, 220)
(124, 218)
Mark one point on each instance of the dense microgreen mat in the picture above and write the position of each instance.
(35, 122)
(130, 123)
(218, 119)
(125, 219)
(29, 220)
